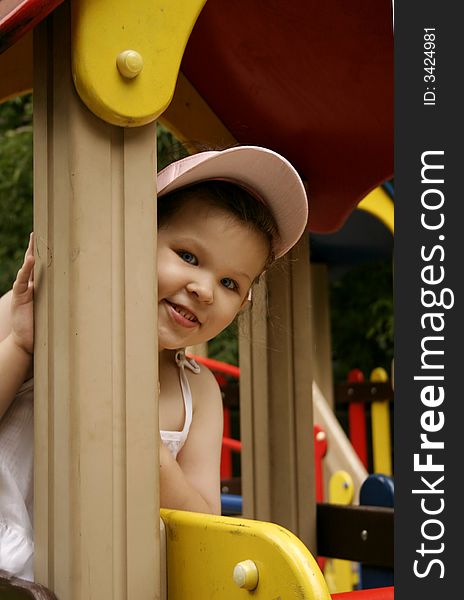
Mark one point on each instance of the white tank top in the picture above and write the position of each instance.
(174, 440)
(16, 484)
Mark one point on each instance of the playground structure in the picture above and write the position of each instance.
(348, 454)
(97, 519)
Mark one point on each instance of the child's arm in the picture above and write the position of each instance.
(193, 481)
(16, 333)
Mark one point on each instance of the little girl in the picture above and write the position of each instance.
(223, 218)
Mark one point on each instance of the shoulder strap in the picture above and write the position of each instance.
(182, 362)
(187, 361)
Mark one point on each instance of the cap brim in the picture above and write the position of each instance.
(264, 173)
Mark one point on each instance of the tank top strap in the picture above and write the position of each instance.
(183, 361)
(186, 361)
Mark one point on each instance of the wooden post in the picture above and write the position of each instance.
(96, 410)
(254, 408)
(276, 399)
(322, 347)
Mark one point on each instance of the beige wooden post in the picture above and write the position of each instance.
(276, 399)
(96, 430)
(322, 355)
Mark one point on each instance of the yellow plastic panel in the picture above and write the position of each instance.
(189, 117)
(16, 68)
(204, 550)
(379, 204)
(338, 572)
(138, 90)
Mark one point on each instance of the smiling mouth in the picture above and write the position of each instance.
(183, 312)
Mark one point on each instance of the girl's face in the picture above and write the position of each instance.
(207, 261)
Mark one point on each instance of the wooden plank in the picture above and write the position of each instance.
(367, 392)
(367, 533)
(12, 588)
(276, 399)
(254, 408)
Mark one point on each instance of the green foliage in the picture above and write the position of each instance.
(168, 148)
(225, 345)
(15, 185)
(16, 113)
(362, 319)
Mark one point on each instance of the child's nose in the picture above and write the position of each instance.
(203, 290)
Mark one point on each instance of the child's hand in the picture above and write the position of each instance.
(22, 316)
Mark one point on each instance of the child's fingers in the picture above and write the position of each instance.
(25, 273)
(30, 246)
(30, 251)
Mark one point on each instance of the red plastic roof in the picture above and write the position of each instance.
(310, 79)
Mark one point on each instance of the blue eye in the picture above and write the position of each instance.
(188, 257)
(230, 284)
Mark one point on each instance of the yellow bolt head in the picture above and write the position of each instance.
(129, 63)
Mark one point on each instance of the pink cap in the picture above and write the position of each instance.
(264, 173)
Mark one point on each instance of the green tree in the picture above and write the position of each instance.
(225, 345)
(169, 149)
(362, 319)
(15, 185)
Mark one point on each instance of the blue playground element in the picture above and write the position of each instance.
(388, 187)
(377, 490)
(231, 504)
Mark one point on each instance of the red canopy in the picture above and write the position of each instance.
(312, 80)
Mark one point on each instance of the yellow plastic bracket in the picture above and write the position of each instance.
(379, 204)
(338, 573)
(189, 117)
(126, 55)
(381, 434)
(223, 558)
(341, 488)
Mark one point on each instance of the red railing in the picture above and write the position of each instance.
(386, 593)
